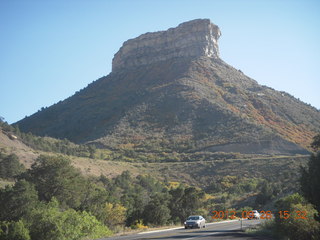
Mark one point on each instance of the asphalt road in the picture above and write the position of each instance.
(221, 230)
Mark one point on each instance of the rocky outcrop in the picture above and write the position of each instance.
(170, 93)
(190, 39)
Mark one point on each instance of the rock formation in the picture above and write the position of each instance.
(190, 39)
(170, 92)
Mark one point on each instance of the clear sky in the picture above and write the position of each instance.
(51, 49)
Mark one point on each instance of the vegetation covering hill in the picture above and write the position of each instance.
(169, 92)
(53, 194)
(233, 181)
(194, 105)
(202, 170)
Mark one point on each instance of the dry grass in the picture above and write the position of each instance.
(4, 183)
(26, 154)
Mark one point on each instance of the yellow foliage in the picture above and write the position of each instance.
(173, 185)
(115, 214)
(228, 181)
(208, 197)
(126, 146)
(138, 224)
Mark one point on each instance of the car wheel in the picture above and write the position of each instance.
(204, 226)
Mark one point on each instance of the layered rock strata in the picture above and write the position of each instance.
(190, 39)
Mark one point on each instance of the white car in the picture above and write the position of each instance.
(195, 221)
(254, 215)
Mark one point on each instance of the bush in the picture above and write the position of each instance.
(157, 211)
(54, 176)
(17, 201)
(301, 223)
(113, 214)
(138, 224)
(310, 181)
(49, 223)
(10, 166)
(14, 231)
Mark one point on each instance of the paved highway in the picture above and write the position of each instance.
(221, 230)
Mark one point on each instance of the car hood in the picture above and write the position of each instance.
(192, 221)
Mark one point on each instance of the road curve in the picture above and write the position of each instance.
(220, 230)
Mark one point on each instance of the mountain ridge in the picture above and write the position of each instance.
(182, 104)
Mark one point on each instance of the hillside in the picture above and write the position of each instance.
(235, 183)
(9, 145)
(202, 170)
(170, 93)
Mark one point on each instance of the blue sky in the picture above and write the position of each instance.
(51, 49)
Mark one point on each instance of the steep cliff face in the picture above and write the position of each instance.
(170, 92)
(190, 39)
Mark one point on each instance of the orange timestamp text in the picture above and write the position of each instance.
(261, 215)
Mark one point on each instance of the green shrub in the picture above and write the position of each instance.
(54, 176)
(14, 231)
(10, 166)
(310, 180)
(301, 223)
(17, 201)
(50, 223)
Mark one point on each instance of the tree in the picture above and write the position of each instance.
(185, 202)
(14, 231)
(135, 202)
(316, 142)
(53, 176)
(214, 187)
(157, 211)
(124, 180)
(94, 201)
(149, 183)
(296, 220)
(310, 181)
(48, 222)
(176, 203)
(17, 201)
(92, 151)
(113, 214)
(266, 193)
(10, 166)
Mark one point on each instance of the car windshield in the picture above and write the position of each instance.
(193, 218)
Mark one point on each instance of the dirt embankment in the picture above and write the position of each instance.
(9, 144)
